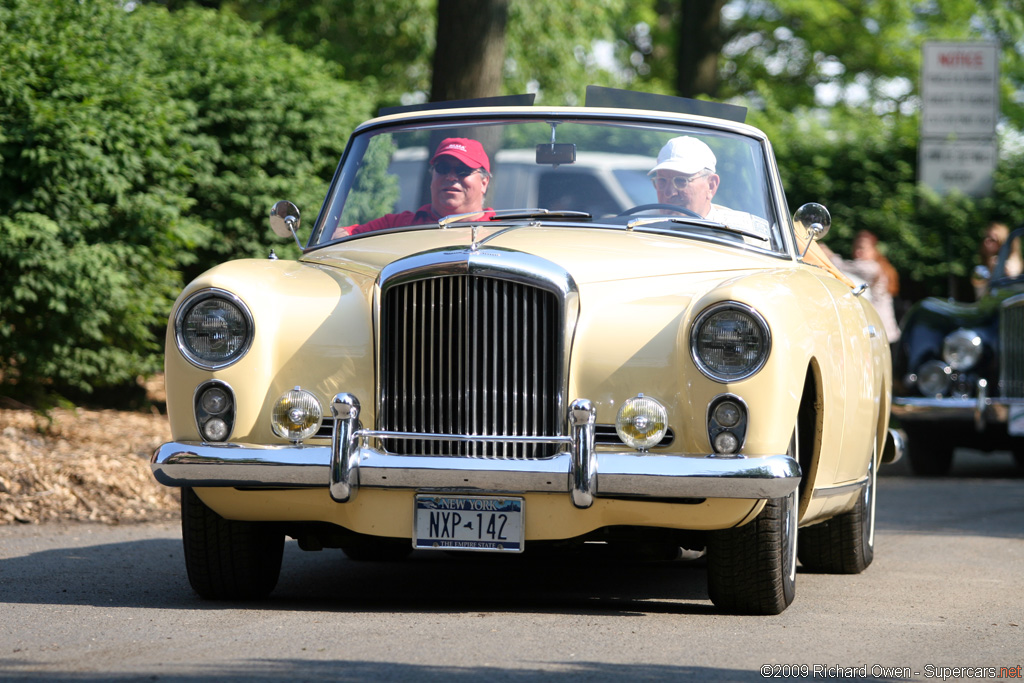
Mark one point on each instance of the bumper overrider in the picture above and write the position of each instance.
(351, 462)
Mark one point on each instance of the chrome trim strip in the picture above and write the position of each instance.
(841, 490)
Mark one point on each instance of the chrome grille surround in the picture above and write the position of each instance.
(474, 342)
(1011, 347)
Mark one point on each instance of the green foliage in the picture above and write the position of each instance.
(135, 146)
(375, 190)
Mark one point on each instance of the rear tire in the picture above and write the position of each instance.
(752, 568)
(844, 544)
(929, 450)
(227, 559)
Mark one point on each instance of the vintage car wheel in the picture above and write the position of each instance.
(227, 559)
(844, 544)
(752, 568)
(929, 450)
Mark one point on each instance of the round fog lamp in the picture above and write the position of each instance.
(297, 415)
(215, 429)
(214, 400)
(727, 414)
(726, 443)
(641, 422)
(933, 378)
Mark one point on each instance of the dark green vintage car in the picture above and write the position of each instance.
(958, 376)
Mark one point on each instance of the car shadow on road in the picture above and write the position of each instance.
(151, 573)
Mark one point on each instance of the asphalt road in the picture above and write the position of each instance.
(95, 603)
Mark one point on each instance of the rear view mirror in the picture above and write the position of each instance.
(555, 154)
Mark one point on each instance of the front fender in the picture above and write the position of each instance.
(300, 311)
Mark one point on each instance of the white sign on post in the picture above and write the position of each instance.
(959, 89)
(959, 111)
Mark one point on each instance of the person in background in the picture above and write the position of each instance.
(459, 175)
(992, 241)
(869, 265)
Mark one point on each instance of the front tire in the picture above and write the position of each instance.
(752, 568)
(227, 559)
(844, 544)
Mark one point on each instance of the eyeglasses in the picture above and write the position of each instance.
(444, 168)
(680, 182)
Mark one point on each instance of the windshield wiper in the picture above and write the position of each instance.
(638, 222)
(517, 214)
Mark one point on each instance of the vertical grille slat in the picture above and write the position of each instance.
(1011, 345)
(473, 355)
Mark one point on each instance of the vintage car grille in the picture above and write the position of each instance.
(1011, 345)
(470, 355)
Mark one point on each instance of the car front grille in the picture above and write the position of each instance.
(470, 355)
(1011, 346)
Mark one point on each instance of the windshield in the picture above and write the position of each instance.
(656, 177)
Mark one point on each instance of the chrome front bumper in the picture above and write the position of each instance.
(350, 462)
(982, 409)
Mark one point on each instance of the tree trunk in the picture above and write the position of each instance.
(700, 42)
(470, 52)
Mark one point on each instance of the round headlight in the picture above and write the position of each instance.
(962, 349)
(641, 422)
(933, 378)
(297, 415)
(729, 342)
(213, 329)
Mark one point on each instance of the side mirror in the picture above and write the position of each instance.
(815, 221)
(284, 220)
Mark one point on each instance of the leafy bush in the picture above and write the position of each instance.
(135, 147)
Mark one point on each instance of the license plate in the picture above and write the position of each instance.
(1015, 425)
(493, 523)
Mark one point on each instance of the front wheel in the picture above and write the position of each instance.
(227, 559)
(752, 568)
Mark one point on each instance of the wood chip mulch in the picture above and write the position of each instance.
(83, 466)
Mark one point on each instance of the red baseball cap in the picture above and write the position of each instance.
(469, 152)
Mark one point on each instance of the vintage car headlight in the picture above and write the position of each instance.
(729, 341)
(962, 349)
(933, 378)
(297, 415)
(213, 329)
(641, 422)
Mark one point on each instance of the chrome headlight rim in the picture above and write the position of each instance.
(962, 349)
(189, 304)
(759, 322)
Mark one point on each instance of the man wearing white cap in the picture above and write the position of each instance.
(685, 177)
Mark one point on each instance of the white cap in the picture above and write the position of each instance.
(685, 155)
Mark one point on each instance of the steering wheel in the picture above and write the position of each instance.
(640, 208)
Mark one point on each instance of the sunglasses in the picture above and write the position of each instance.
(679, 182)
(444, 168)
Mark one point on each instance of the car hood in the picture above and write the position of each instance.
(590, 255)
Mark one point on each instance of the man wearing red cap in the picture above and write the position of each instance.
(459, 175)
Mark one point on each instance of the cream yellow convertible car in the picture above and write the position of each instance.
(442, 370)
